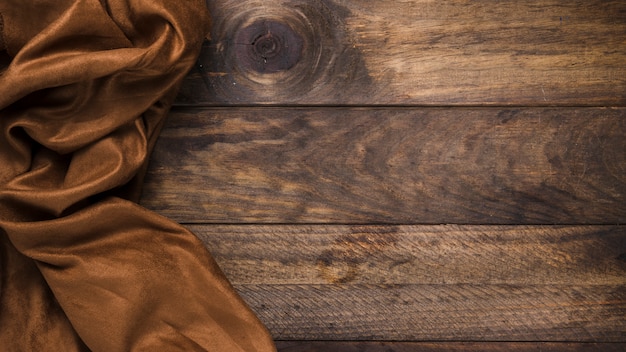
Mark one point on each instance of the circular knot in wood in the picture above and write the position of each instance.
(269, 46)
(291, 51)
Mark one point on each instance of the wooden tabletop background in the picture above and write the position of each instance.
(410, 175)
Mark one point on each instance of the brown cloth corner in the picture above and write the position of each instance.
(82, 266)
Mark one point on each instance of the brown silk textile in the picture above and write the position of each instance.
(82, 266)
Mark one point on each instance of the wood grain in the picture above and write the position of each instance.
(435, 283)
(360, 346)
(404, 255)
(554, 313)
(287, 199)
(419, 52)
(390, 165)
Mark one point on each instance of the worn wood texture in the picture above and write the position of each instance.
(389, 165)
(409, 113)
(412, 283)
(420, 52)
(335, 346)
(403, 255)
(468, 312)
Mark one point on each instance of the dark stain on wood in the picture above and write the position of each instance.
(340, 264)
(268, 46)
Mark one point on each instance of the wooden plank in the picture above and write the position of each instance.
(361, 346)
(386, 165)
(412, 255)
(419, 52)
(436, 283)
(441, 312)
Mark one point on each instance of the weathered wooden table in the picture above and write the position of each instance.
(447, 175)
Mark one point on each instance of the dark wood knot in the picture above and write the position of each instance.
(268, 46)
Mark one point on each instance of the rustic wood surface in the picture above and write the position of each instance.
(320, 144)
(403, 255)
(390, 165)
(468, 312)
(479, 283)
(334, 346)
(419, 52)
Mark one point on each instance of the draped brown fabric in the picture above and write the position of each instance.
(84, 88)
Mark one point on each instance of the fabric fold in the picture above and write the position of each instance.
(2, 46)
(83, 266)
